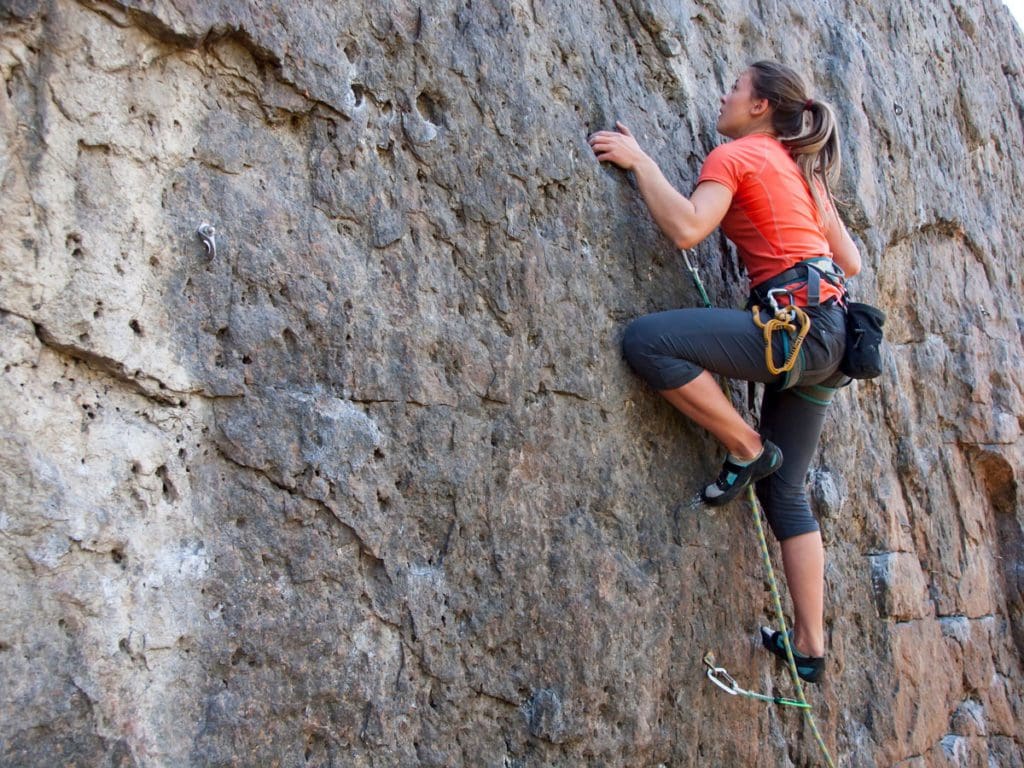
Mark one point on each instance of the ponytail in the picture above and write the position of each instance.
(814, 143)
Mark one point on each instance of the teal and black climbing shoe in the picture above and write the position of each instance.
(737, 475)
(810, 668)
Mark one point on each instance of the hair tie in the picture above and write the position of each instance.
(809, 104)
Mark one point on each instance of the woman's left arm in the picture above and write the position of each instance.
(686, 221)
(844, 250)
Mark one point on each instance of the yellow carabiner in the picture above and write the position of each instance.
(784, 319)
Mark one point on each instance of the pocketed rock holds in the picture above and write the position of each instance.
(374, 486)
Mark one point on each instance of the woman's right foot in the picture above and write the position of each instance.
(737, 474)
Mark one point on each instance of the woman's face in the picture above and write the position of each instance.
(741, 112)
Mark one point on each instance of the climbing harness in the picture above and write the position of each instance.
(718, 675)
(809, 272)
(785, 319)
(208, 233)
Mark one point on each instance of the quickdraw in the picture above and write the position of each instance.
(720, 677)
(785, 319)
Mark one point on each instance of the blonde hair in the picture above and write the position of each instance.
(814, 146)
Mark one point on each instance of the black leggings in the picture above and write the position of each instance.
(670, 349)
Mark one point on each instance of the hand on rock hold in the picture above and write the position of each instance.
(618, 147)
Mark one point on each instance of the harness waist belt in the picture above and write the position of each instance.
(808, 272)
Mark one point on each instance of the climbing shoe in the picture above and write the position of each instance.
(737, 475)
(810, 668)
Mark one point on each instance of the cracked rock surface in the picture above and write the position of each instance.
(369, 484)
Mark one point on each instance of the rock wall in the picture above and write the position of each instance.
(369, 484)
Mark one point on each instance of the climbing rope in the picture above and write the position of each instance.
(718, 675)
(780, 617)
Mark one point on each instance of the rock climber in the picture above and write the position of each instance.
(769, 189)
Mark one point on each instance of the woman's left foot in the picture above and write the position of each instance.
(737, 474)
(810, 668)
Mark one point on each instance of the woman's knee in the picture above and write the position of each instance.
(786, 507)
(636, 344)
(648, 346)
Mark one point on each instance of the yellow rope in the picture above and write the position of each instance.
(784, 320)
(780, 619)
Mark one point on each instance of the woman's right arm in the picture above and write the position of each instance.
(686, 221)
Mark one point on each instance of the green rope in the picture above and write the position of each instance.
(801, 700)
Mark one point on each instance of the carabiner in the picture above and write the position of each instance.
(729, 686)
(714, 672)
(776, 309)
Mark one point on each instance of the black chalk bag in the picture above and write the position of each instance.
(863, 356)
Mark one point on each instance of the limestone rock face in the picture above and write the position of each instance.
(365, 480)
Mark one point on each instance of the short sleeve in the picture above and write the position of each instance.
(723, 166)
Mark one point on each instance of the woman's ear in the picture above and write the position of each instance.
(759, 107)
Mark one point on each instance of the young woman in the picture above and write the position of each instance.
(768, 188)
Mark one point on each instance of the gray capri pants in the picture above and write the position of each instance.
(670, 349)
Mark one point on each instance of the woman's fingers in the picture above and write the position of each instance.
(618, 147)
(607, 139)
(607, 154)
(621, 132)
(603, 149)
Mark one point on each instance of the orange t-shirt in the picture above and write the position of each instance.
(772, 219)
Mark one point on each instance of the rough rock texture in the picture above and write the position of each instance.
(371, 484)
